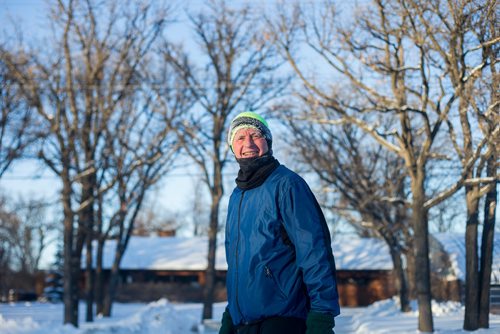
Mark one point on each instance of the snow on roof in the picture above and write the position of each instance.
(176, 253)
(454, 245)
(164, 253)
(354, 253)
(350, 252)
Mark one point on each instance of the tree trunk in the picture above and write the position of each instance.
(70, 288)
(113, 284)
(89, 282)
(422, 263)
(75, 276)
(122, 242)
(99, 282)
(70, 313)
(101, 239)
(212, 246)
(115, 272)
(410, 271)
(471, 316)
(399, 263)
(87, 220)
(401, 281)
(487, 243)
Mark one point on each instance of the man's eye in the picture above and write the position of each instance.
(256, 135)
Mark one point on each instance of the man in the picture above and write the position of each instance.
(281, 271)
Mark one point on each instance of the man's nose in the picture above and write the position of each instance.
(248, 141)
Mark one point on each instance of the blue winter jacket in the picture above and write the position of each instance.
(278, 250)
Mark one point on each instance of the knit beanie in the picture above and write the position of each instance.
(249, 119)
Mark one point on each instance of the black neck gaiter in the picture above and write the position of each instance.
(254, 171)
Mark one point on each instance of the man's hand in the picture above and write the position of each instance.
(227, 324)
(320, 323)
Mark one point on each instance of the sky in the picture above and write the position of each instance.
(174, 194)
(31, 179)
(28, 178)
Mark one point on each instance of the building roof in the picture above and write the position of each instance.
(181, 253)
(351, 253)
(164, 253)
(354, 253)
(454, 245)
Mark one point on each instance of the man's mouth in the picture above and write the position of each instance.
(250, 154)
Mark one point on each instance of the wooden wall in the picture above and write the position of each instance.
(356, 287)
(364, 287)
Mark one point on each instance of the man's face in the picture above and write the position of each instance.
(249, 143)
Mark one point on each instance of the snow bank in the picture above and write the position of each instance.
(385, 317)
(382, 317)
(23, 326)
(157, 317)
(154, 318)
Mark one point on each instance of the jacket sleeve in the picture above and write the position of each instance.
(306, 227)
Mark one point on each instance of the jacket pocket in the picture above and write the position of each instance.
(269, 275)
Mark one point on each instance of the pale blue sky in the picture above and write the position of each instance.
(31, 179)
(27, 178)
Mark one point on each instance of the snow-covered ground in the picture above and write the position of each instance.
(163, 317)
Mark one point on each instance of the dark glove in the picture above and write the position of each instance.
(319, 323)
(227, 324)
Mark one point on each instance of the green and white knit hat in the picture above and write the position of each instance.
(249, 119)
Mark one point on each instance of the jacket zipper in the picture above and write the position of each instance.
(237, 256)
(270, 275)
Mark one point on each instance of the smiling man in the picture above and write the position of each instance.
(249, 143)
(281, 271)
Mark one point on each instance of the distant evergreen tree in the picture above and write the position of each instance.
(54, 279)
(59, 258)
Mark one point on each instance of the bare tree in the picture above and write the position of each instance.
(25, 233)
(489, 115)
(490, 119)
(468, 54)
(370, 182)
(445, 215)
(386, 66)
(17, 130)
(152, 220)
(77, 86)
(141, 147)
(490, 205)
(34, 235)
(199, 210)
(141, 153)
(238, 75)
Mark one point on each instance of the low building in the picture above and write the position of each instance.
(364, 270)
(164, 267)
(454, 245)
(174, 268)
